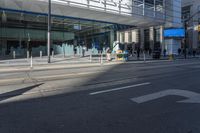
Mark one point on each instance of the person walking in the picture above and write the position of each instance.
(138, 53)
(164, 52)
(83, 50)
(179, 51)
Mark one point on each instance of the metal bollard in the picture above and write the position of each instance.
(90, 57)
(31, 65)
(14, 55)
(101, 58)
(40, 54)
(27, 53)
(144, 56)
(52, 54)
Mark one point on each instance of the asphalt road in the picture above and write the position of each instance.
(126, 98)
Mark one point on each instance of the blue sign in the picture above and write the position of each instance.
(174, 33)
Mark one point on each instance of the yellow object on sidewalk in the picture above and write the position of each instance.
(119, 55)
(171, 57)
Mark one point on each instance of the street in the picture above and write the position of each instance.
(153, 97)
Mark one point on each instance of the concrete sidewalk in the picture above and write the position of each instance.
(16, 65)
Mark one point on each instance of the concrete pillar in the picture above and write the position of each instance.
(3, 47)
(118, 36)
(162, 38)
(112, 37)
(195, 36)
(142, 38)
(151, 37)
(126, 37)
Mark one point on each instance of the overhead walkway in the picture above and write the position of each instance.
(128, 12)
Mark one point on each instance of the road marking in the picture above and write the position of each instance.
(193, 97)
(120, 88)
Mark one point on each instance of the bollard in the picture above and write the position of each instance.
(27, 54)
(52, 54)
(90, 57)
(101, 58)
(13, 54)
(171, 57)
(144, 56)
(31, 65)
(40, 54)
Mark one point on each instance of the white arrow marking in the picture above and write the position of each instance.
(193, 97)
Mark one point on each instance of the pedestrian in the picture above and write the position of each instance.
(83, 50)
(75, 50)
(138, 53)
(126, 55)
(179, 51)
(194, 52)
(150, 51)
(164, 52)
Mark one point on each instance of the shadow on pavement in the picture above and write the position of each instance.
(17, 92)
(77, 112)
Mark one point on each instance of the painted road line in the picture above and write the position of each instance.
(120, 88)
(193, 97)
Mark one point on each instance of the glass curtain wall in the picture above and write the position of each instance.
(22, 32)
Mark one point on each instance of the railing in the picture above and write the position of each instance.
(123, 7)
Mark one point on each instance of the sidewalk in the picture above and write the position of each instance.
(24, 64)
(15, 65)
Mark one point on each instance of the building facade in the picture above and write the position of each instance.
(150, 38)
(190, 9)
(95, 24)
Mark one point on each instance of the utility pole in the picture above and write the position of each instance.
(49, 32)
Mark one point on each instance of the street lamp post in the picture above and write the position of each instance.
(49, 32)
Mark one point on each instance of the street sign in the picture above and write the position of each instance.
(193, 97)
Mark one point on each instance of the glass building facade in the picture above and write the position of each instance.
(75, 23)
(22, 32)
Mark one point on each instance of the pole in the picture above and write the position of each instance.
(14, 55)
(49, 33)
(31, 61)
(40, 54)
(101, 58)
(144, 56)
(185, 41)
(90, 57)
